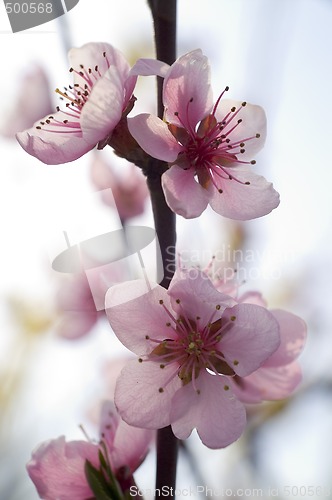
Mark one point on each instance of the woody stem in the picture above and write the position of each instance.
(164, 18)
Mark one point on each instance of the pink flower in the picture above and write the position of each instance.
(129, 190)
(190, 341)
(32, 102)
(209, 147)
(94, 105)
(57, 466)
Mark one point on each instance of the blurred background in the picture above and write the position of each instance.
(276, 53)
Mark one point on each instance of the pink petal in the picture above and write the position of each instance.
(240, 201)
(131, 446)
(53, 148)
(91, 55)
(147, 67)
(138, 397)
(252, 298)
(198, 297)
(134, 313)
(269, 384)
(253, 122)
(293, 333)
(57, 469)
(153, 136)
(187, 90)
(252, 339)
(103, 109)
(183, 194)
(218, 417)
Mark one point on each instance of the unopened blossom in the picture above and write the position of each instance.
(92, 106)
(32, 101)
(209, 146)
(57, 467)
(128, 190)
(280, 374)
(191, 340)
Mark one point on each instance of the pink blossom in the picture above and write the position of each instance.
(57, 466)
(129, 190)
(94, 105)
(76, 307)
(33, 100)
(190, 341)
(209, 147)
(280, 374)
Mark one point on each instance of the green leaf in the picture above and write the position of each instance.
(98, 484)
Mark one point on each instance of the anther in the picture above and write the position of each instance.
(220, 191)
(247, 183)
(258, 136)
(244, 103)
(233, 318)
(218, 307)
(233, 109)
(253, 162)
(161, 389)
(147, 337)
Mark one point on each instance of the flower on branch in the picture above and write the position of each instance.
(65, 470)
(93, 105)
(192, 341)
(209, 146)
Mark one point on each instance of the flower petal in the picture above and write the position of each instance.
(148, 67)
(57, 469)
(187, 90)
(91, 55)
(241, 201)
(131, 446)
(153, 136)
(253, 122)
(269, 384)
(293, 333)
(138, 395)
(183, 194)
(103, 109)
(216, 414)
(253, 337)
(53, 148)
(198, 297)
(136, 314)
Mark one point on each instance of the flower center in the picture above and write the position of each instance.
(193, 346)
(208, 148)
(75, 96)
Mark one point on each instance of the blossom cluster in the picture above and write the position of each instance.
(203, 350)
